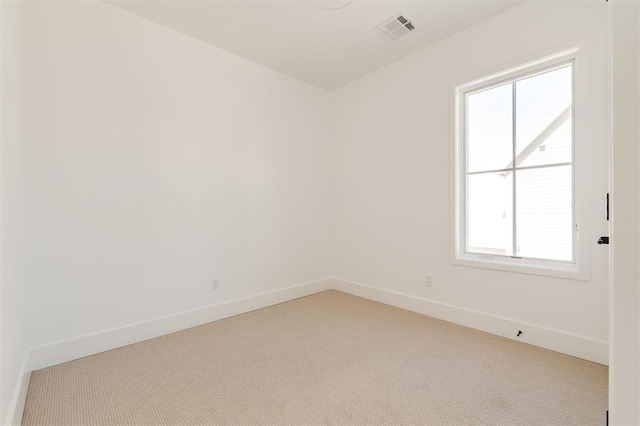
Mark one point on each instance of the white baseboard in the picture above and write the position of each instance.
(19, 397)
(91, 344)
(555, 340)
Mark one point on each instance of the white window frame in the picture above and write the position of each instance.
(579, 267)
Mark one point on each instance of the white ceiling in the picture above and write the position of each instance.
(326, 48)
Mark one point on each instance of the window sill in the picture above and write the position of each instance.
(524, 266)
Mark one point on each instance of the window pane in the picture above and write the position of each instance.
(489, 129)
(543, 118)
(544, 215)
(490, 214)
(556, 148)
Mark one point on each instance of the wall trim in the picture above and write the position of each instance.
(19, 397)
(90, 344)
(548, 338)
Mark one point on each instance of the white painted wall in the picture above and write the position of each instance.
(13, 290)
(156, 162)
(624, 374)
(392, 170)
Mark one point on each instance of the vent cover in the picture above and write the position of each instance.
(396, 27)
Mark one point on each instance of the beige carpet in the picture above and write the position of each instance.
(330, 358)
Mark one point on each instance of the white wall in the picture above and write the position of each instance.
(624, 374)
(156, 162)
(392, 172)
(13, 290)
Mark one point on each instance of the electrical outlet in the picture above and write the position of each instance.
(428, 281)
(215, 283)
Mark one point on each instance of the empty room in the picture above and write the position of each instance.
(319, 212)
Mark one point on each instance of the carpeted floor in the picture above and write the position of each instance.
(330, 358)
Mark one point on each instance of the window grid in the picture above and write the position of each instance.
(514, 154)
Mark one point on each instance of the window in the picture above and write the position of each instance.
(515, 169)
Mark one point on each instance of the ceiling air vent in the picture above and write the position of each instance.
(396, 27)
